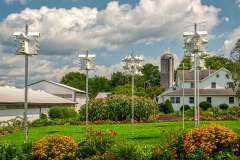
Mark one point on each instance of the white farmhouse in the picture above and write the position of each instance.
(212, 88)
(61, 90)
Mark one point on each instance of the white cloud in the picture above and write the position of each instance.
(105, 55)
(67, 32)
(20, 1)
(230, 41)
(238, 3)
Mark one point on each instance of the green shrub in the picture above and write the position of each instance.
(62, 112)
(205, 105)
(43, 116)
(96, 143)
(168, 107)
(126, 151)
(186, 107)
(119, 107)
(223, 106)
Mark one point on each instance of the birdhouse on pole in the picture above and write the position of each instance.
(27, 43)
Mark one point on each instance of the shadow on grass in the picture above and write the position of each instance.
(52, 132)
(142, 138)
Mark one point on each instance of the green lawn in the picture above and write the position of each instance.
(145, 133)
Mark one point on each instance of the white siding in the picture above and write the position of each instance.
(12, 113)
(221, 81)
(216, 101)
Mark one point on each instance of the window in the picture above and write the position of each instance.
(213, 85)
(172, 99)
(231, 100)
(191, 99)
(192, 85)
(217, 75)
(175, 99)
(209, 99)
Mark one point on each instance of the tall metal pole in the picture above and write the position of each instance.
(183, 95)
(198, 116)
(132, 103)
(195, 89)
(87, 94)
(26, 92)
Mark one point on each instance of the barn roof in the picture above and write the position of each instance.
(12, 95)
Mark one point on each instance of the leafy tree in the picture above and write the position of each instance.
(127, 90)
(216, 62)
(234, 68)
(154, 90)
(119, 78)
(152, 74)
(75, 79)
(100, 84)
(187, 64)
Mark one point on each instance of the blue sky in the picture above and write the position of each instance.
(111, 30)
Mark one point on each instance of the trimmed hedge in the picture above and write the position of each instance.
(62, 112)
(205, 105)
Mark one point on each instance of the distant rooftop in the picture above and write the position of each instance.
(102, 95)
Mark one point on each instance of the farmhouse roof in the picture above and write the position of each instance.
(190, 91)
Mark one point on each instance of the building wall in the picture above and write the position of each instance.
(221, 81)
(80, 98)
(216, 101)
(32, 114)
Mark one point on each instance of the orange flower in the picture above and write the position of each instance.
(205, 155)
(99, 133)
(156, 149)
(98, 152)
(114, 133)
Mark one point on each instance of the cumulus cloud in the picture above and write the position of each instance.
(67, 32)
(238, 3)
(230, 41)
(20, 1)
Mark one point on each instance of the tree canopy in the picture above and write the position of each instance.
(234, 68)
(152, 74)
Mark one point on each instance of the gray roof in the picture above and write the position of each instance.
(60, 84)
(12, 95)
(190, 91)
(189, 75)
(102, 95)
(167, 56)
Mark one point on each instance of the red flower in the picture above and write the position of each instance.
(205, 155)
(185, 135)
(154, 152)
(96, 158)
(98, 152)
(207, 150)
(111, 157)
(173, 152)
(197, 143)
(161, 152)
(99, 133)
(156, 149)
(114, 133)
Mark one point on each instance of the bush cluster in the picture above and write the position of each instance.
(167, 107)
(62, 112)
(223, 106)
(55, 147)
(213, 138)
(119, 107)
(186, 107)
(205, 105)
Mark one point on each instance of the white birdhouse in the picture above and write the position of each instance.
(27, 44)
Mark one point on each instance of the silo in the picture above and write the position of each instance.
(167, 70)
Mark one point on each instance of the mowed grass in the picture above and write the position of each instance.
(145, 134)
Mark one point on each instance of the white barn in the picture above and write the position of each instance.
(12, 103)
(212, 88)
(61, 90)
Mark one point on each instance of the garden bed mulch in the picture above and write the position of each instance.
(167, 118)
